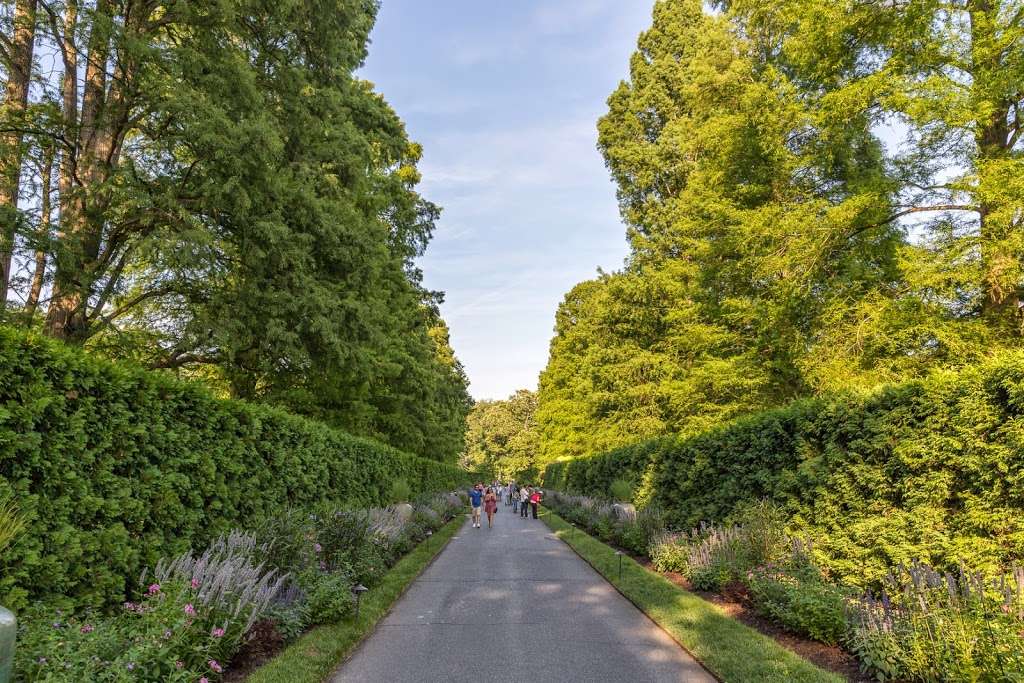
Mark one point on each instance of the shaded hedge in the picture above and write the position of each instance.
(115, 467)
(931, 469)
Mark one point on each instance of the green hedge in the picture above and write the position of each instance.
(931, 469)
(116, 467)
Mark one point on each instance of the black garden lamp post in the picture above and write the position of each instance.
(619, 553)
(359, 590)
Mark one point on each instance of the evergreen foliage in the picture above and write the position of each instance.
(930, 469)
(115, 467)
(229, 201)
(773, 255)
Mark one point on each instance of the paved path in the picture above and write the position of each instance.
(514, 603)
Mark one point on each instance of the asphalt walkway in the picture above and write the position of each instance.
(514, 603)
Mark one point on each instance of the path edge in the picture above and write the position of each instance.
(561, 534)
(548, 513)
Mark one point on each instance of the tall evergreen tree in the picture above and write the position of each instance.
(234, 203)
(759, 233)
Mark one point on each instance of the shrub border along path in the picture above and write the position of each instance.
(731, 651)
(314, 656)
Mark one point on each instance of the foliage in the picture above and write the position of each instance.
(199, 611)
(235, 204)
(620, 490)
(328, 596)
(169, 636)
(314, 656)
(501, 438)
(115, 467)
(11, 522)
(927, 469)
(948, 626)
(634, 531)
(780, 250)
(730, 650)
(401, 492)
(795, 594)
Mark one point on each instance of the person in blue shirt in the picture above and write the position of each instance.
(476, 496)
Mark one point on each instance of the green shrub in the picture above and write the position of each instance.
(797, 596)
(401, 492)
(329, 596)
(11, 523)
(169, 636)
(620, 490)
(932, 626)
(670, 553)
(115, 467)
(930, 469)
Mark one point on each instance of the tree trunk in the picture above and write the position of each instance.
(1002, 294)
(19, 74)
(46, 182)
(66, 317)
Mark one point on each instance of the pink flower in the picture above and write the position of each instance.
(317, 547)
(215, 666)
(179, 664)
(86, 629)
(217, 632)
(189, 609)
(204, 679)
(195, 583)
(154, 588)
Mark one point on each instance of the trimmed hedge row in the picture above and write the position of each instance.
(930, 469)
(116, 467)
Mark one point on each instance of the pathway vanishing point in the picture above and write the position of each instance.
(514, 603)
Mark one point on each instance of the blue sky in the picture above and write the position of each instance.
(504, 97)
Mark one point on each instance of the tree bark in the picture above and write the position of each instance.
(46, 182)
(993, 137)
(66, 317)
(19, 75)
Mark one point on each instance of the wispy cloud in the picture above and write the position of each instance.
(504, 98)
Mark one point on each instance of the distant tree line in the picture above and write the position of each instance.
(502, 438)
(207, 188)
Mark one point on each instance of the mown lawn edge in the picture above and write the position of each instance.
(319, 653)
(730, 650)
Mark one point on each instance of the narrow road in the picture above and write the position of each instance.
(514, 603)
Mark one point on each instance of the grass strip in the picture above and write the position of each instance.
(318, 653)
(732, 651)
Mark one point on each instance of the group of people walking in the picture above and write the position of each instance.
(522, 499)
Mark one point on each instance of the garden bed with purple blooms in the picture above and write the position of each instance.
(919, 625)
(243, 598)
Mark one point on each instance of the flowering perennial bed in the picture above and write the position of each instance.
(243, 597)
(918, 625)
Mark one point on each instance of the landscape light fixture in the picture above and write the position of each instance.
(359, 590)
(619, 553)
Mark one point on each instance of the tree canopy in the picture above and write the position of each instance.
(501, 437)
(208, 188)
(780, 247)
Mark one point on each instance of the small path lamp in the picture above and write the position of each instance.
(619, 553)
(358, 591)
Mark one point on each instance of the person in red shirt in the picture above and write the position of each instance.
(535, 499)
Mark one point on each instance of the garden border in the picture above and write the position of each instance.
(699, 627)
(318, 654)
